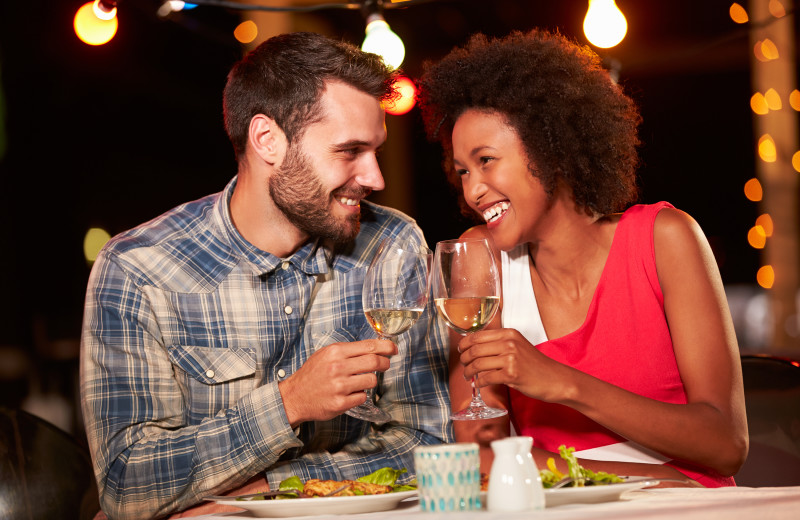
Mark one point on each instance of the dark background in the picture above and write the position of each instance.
(114, 135)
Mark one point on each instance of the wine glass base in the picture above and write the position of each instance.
(474, 413)
(369, 412)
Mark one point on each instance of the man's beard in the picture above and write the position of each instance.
(298, 193)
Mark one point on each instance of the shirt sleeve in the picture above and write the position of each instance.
(148, 460)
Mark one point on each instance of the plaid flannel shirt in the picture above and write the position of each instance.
(187, 331)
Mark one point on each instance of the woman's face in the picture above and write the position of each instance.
(498, 184)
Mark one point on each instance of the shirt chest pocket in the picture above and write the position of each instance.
(212, 379)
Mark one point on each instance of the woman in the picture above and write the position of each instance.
(615, 336)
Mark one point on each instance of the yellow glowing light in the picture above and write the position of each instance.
(765, 222)
(604, 24)
(93, 242)
(407, 98)
(766, 149)
(246, 31)
(776, 9)
(765, 277)
(769, 50)
(381, 40)
(756, 237)
(796, 161)
(758, 53)
(738, 14)
(753, 190)
(759, 104)
(773, 99)
(794, 99)
(91, 29)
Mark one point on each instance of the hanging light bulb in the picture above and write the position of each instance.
(604, 25)
(91, 29)
(380, 39)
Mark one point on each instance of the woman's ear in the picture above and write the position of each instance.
(267, 139)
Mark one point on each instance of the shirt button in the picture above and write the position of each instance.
(210, 374)
(285, 264)
(288, 309)
(281, 373)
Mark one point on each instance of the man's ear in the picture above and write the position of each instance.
(267, 139)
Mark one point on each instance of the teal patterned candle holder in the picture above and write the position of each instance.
(448, 477)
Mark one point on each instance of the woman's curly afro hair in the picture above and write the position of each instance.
(575, 123)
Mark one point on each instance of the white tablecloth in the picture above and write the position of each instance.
(776, 503)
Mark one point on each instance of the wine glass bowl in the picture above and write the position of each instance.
(466, 291)
(393, 297)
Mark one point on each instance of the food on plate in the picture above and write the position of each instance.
(320, 488)
(581, 476)
(378, 482)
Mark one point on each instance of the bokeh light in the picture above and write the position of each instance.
(91, 29)
(93, 242)
(776, 9)
(796, 161)
(408, 97)
(794, 99)
(246, 31)
(738, 13)
(765, 221)
(766, 277)
(769, 50)
(756, 237)
(753, 190)
(759, 104)
(766, 149)
(773, 99)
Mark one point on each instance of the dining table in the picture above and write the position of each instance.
(729, 503)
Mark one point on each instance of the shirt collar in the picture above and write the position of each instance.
(313, 258)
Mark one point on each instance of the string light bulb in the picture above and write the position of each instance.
(380, 39)
(604, 25)
(91, 29)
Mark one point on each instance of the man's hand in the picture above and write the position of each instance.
(333, 379)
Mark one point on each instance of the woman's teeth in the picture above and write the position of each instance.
(493, 213)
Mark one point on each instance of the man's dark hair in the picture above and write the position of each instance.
(284, 77)
(576, 124)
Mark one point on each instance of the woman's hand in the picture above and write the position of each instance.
(504, 356)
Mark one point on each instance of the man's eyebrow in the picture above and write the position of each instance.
(348, 145)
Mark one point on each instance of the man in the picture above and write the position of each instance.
(224, 341)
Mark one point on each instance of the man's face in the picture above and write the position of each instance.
(332, 167)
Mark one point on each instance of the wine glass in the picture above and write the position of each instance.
(466, 290)
(394, 296)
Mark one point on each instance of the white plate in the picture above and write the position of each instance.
(591, 494)
(320, 505)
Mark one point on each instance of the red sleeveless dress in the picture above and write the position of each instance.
(625, 341)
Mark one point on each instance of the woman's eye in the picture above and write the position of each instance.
(486, 159)
(461, 173)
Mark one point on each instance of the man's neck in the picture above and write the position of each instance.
(260, 222)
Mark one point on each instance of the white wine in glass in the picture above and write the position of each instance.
(394, 296)
(466, 290)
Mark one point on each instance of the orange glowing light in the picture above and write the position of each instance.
(766, 149)
(407, 99)
(765, 277)
(738, 14)
(752, 190)
(765, 222)
(759, 104)
(91, 29)
(756, 237)
(769, 50)
(757, 51)
(246, 31)
(776, 9)
(773, 99)
(794, 99)
(796, 161)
